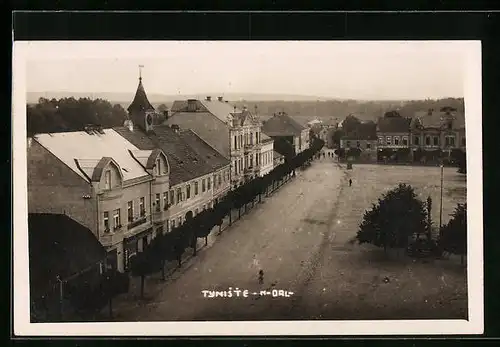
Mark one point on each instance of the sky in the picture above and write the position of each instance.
(375, 70)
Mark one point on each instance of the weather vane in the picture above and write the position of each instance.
(140, 71)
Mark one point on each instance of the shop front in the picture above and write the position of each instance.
(134, 245)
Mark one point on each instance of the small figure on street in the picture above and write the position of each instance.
(350, 182)
(261, 277)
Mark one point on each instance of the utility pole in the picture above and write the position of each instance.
(441, 199)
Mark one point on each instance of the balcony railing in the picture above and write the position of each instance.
(137, 221)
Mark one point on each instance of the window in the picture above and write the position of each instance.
(172, 223)
(196, 188)
(157, 202)
(358, 144)
(388, 140)
(235, 143)
(416, 140)
(203, 185)
(188, 191)
(449, 141)
(209, 183)
(251, 160)
(116, 218)
(427, 140)
(165, 200)
(172, 197)
(158, 166)
(435, 141)
(179, 195)
(107, 180)
(405, 141)
(368, 145)
(380, 140)
(106, 221)
(396, 140)
(130, 211)
(220, 178)
(142, 207)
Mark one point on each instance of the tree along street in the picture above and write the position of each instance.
(282, 236)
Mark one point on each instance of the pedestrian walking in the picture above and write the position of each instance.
(350, 182)
(261, 277)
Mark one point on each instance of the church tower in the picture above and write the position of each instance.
(140, 111)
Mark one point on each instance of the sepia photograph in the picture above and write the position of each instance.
(258, 187)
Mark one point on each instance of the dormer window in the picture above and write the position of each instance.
(107, 180)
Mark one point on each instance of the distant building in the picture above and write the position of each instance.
(285, 127)
(234, 133)
(393, 132)
(364, 139)
(436, 131)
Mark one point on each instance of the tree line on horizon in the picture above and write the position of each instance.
(70, 114)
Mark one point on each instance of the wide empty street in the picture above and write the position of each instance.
(300, 237)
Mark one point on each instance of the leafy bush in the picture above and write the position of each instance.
(398, 216)
(453, 236)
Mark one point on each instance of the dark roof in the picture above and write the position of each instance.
(284, 147)
(282, 125)
(204, 150)
(59, 245)
(364, 131)
(437, 119)
(185, 163)
(140, 102)
(393, 124)
(207, 126)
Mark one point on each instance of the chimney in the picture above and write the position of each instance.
(175, 127)
(209, 98)
(219, 98)
(129, 124)
(245, 108)
(191, 105)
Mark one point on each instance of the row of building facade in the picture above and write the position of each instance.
(127, 184)
(422, 137)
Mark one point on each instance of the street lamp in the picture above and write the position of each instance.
(441, 199)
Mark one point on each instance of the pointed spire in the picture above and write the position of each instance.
(140, 102)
